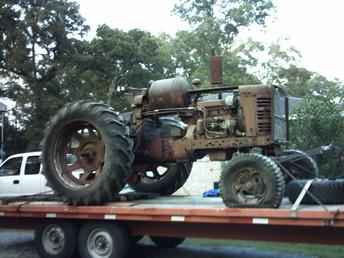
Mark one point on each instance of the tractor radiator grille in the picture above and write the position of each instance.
(264, 115)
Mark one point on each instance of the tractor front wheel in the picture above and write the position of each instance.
(252, 180)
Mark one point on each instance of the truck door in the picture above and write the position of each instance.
(32, 180)
(10, 176)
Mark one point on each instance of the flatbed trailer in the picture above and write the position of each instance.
(175, 216)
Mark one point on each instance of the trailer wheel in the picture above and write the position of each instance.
(55, 240)
(103, 240)
(326, 190)
(87, 154)
(252, 180)
(164, 179)
(303, 167)
(167, 242)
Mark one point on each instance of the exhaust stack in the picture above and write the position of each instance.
(216, 74)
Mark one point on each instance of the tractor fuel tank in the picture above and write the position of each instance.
(169, 93)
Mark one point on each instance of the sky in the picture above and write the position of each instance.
(314, 27)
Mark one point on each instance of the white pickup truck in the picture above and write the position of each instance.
(21, 174)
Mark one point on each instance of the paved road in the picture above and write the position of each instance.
(19, 244)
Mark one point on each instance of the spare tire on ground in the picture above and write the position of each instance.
(328, 191)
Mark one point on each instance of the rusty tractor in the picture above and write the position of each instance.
(90, 152)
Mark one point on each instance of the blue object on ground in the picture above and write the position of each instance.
(212, 193)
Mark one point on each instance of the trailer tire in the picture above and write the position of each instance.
(112, 152)
(252, 180)
(328, 191)
(55, 240)
(101, 239)
(167, 242)
(170, 181)
(307, 162)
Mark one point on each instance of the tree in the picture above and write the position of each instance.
(214, 26)
(36, 41)
(301, 82)
(184, 50)
(296, 80)
(115, 56)
(217, 22)
(318, 121)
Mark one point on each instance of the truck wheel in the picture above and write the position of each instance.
(162, 179)
(87, 154)
(55, 240)
(108, 240)
(167, 242)
(252, 180)
(303, 167)
(326, 190)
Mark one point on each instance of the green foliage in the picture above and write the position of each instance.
(216, 23)
(319, 121)
(301, 82)
(116, 57)
(15, 139)
(189, 55)
(35, 44)
(34, 35)
(296, 80)
(45, 63)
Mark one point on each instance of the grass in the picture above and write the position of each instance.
(315, 250)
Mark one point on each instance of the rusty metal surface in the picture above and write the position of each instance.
(256, 103)
(191, 217)
(169, 93)
(216, 76)
(178, 209)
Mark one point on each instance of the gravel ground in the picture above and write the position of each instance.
(19, 244)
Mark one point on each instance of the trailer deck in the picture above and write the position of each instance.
(192, 217)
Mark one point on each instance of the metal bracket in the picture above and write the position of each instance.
(302, 194)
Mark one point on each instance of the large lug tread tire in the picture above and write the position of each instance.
(46, 245)
(118, 156)
(114, 237)
(307, 162)
(269, 172)
(174, 179)
(167, 242)
(327, 191)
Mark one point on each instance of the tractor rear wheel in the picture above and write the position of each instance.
(164, 179)
(252, 180)
(87, 154)
(300, 165)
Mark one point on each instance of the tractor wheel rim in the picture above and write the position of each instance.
(249, 186)
(79, 155)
